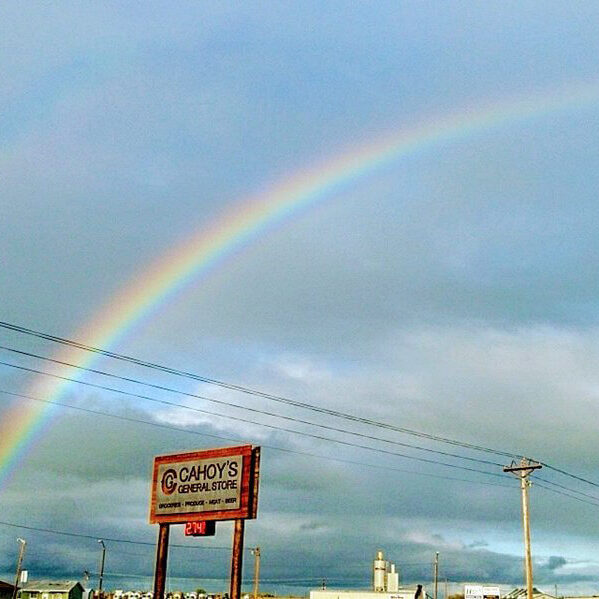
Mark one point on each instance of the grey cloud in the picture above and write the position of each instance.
(556, 562)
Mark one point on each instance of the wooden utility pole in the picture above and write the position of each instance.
(22, 543)
(101, 568)
(523, 470)
(436, 574)
(256, 552)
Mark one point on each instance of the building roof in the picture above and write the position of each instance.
(50, 585)
(520, 593)
(6, 585)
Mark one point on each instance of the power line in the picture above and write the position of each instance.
(273, 447)
(596, 504)
(574, 476)
(244, 420)
(241, 407)
(278, 398)
(246, 390)
(95, 537)
(255, 410)
(548, 482)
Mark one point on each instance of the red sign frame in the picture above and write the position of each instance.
(250, 474)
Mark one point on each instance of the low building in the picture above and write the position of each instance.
(385, 585)
(521, 593)
(52, 589)
(401, 593)
(6, 590)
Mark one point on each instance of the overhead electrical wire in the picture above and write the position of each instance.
(188, 431)
(95, 537)
(241, 407)
(549, 482)
(569, 474)
(79, 345)
(247, 421)
(247, 390)
(541, 486)
(274, 447)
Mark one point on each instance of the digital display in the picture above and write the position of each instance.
(203, 528)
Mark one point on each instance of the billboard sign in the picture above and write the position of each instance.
(212, 484)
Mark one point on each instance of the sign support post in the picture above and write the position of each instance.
(237, 559)
(161, 561)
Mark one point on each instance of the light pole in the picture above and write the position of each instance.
(256, 553)
(101, 568)
(22, 543)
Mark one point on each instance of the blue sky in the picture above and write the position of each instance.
(452, 292)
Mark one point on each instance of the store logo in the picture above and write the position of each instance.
(169, 482)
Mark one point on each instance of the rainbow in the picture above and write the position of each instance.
(250, 219)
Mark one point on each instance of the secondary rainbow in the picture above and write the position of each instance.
(248, 220)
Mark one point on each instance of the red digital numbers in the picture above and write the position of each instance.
(203, 528)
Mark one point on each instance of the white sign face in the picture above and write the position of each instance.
(211, 484)
(491, 593)
(473, 591)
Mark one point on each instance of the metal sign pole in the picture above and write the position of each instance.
(161, 561)
(236, 559)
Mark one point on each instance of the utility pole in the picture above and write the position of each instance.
(101, 568)
(445, 595)
(523, 470)
(22, 543)
(256, 554)
(436, 574)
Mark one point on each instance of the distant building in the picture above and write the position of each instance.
(52, 589)
(6, 590)
(520, 593)
(401, 593)
(385, 585)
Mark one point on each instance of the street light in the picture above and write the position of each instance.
(101, 568)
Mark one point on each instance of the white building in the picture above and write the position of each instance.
(385, 585)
